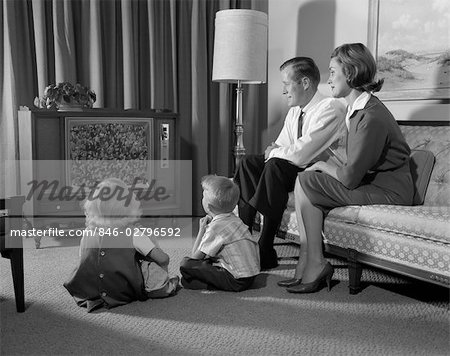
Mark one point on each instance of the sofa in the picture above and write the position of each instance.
(413, 241)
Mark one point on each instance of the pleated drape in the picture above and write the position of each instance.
(135, 54)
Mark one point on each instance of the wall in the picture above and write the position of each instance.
(314, 28)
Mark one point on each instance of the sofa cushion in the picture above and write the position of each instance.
(424, 222)
(421, 165)
(436, 140)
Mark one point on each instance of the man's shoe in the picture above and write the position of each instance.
(289, 282)
(268, 265)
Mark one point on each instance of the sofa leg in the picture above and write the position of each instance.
(354, 271)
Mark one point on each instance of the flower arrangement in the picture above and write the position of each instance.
(66, 93)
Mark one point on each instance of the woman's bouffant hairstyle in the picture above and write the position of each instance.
(303, 67)
(359, 66)
(112, 204)
(221, 193)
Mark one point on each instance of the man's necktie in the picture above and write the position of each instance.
(300, 123)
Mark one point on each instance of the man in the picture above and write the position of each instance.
(313, 123)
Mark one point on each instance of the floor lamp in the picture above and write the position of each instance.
(240, 57)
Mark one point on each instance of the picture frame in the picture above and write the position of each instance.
(410, 41)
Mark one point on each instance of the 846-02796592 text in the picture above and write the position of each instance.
(137, 231)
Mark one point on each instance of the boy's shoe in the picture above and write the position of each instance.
(174, 284)
(170, 288)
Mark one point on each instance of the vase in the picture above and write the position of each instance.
(69, 107)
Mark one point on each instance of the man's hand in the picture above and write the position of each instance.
(269, 149)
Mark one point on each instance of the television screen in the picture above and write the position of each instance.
(98, 148)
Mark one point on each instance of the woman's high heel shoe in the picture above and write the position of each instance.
(289, 282)
(316, 285)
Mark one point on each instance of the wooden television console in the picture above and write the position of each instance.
(52, 143)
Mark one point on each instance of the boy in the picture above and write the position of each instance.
(225, 255)
(109, 273)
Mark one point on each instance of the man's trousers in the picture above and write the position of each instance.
(265, 187)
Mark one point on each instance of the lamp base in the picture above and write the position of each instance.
(238, 154)
(239, 149)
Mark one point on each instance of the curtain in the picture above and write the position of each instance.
(139, 54)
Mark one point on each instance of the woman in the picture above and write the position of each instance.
(377, 169)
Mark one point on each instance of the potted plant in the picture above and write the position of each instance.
(66, 96)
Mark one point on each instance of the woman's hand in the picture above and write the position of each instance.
(323, 167)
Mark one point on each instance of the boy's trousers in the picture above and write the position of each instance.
(201, 274)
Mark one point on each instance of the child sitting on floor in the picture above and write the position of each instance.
(225, 255)
(118, 263)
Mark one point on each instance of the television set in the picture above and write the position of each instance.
(82, 148)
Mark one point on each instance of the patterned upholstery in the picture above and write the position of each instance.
(401, 248)
(424, 222)
(437, 140)
(421, 166)
(415, 236)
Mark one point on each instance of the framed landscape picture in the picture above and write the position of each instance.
(410, 40)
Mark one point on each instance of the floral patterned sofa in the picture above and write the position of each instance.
(411, 240)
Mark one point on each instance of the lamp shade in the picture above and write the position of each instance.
(240, 47)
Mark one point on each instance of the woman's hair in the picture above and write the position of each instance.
(221, 193)
(359, 66)
(303, 67)
(112, 204)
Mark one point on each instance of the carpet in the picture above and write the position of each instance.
(384, 319)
